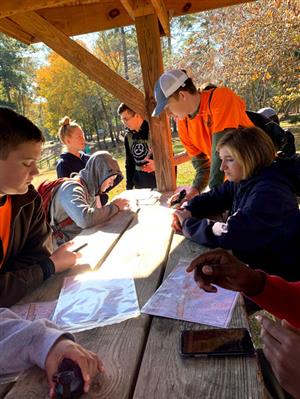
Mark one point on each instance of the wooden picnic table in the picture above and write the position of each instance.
(141, 354)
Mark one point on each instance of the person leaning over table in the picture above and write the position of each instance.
(73, 207)
(202, 118)
(26, 253)
(263, 228)
(281, 340)
(25, 343)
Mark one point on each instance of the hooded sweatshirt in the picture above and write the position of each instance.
(25, 343)
(76, 199)
(263, 229)
(69, 163)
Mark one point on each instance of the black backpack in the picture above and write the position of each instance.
(283, 140)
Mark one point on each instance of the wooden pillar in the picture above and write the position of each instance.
(148, 36)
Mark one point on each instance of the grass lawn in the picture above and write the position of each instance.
(185, 171)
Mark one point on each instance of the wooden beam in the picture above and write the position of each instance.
(11, 29)
(152, 67)
(83, 60)
(129, 7)
(182, 7)
(12, 7)
(86, 17)
(82, 19)
(162, 13)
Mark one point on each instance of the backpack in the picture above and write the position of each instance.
(47, 189)
(283, 140)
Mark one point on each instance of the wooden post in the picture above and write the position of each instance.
(147, 29)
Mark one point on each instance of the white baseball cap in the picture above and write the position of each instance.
(166, 85)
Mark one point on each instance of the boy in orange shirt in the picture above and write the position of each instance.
(202, 118)
(26, 257)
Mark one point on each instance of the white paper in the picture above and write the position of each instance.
(96, 299)
(180, 298)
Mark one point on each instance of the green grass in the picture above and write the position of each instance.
(185, 171)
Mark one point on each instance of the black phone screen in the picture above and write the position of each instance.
(216, 342)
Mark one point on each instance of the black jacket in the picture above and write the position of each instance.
(26, 264)
(137, 147)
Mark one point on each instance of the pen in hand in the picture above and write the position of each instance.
(180, 197)
(80, 247)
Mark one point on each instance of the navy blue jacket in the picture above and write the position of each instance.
(69, 163)
(263, 229)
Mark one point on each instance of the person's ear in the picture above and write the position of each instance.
(182, 96)
(67, 140)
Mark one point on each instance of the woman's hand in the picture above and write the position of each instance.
(178, 218)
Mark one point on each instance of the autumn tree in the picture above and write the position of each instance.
(67, 91)
(252, 47)
(16, 73)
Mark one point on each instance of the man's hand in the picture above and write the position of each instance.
(282, 349)
(178, 218)
(88, 362)
(191, 192)
(221, 268)
(64, 258)
(149, 167)
(122, 204)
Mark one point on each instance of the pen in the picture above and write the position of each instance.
(79, 248)
(181, 196)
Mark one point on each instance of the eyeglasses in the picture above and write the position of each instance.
(125, 120)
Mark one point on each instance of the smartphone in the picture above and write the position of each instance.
(216, 342)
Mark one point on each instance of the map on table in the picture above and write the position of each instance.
(180, 298)
(142, 196)
(95, 299)
(35, 311)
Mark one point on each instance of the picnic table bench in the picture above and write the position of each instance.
(141, 354)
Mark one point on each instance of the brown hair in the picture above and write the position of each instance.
(66, 128)
(251, 147)
(123, 107)
(16, 129)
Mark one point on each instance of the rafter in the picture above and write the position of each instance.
(83, 60)
(11, 7)
(129, 7)
(162, 14)
(11, 29)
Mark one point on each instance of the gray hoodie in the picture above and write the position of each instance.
(76, 199)
(25, 343)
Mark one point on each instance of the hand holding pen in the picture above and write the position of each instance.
(176, 199)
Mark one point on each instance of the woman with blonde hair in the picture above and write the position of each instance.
(74, 159)
(260, 194)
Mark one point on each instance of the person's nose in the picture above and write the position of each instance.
(34, 171)
(222, 166)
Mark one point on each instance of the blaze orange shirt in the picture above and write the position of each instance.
(5, 221)
(226, 110)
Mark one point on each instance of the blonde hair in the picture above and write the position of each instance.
(251, 147)
(66, 128)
